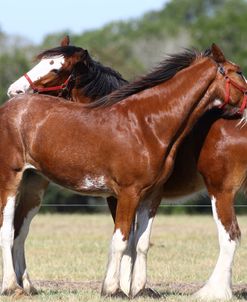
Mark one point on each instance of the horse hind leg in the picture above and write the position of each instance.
(144, 222)
(219, 285)
(8, 196)
(30, 196)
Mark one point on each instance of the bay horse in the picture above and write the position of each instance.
(134, 271)
(70, 72)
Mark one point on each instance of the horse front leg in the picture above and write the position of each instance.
(219, 285)
(129, 254)
(30, 196)
(127, 262)
(126, 207)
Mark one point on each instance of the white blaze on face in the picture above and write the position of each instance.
(41, 69)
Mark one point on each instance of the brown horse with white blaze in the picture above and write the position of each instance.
(171, 143)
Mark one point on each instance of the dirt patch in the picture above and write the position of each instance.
(66, 285)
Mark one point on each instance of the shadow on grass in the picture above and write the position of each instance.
(241, 295)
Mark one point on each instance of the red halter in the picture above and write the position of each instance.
(240, 88)
(45, 89)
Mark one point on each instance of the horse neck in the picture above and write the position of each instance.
(169, 105)
(186, 119)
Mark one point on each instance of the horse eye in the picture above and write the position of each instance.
(221, 70)
(240, 73)
(55, 71)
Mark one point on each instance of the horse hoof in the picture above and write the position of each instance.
(152, 293)
(32, 291)
(117, 294)
(148, 292)
(208, 293)
(120, 294)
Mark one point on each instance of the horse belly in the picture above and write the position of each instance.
(183, 189)
(80, 182)
(72, 170)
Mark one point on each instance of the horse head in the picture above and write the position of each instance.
(229, 84)
(54, 73)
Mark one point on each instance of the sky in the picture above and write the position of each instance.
(34, 19)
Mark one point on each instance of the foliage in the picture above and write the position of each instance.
(227, 27)
(12, 66)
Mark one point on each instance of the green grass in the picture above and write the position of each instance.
(74, 247)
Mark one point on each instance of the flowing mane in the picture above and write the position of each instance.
(163, 72)
(95, 79)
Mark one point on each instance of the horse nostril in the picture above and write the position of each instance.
(11, 93)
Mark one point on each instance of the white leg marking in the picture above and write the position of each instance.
(118, 246)
(19, 252)
(143, 232)
(7, 238)
(127, 263)
(219, 284)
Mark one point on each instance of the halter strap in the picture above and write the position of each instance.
(230, 82)
(29, 80)
(45, 89)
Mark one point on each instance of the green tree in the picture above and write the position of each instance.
(227, 27)
(12, 66)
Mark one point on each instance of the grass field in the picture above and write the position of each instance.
(67, 256)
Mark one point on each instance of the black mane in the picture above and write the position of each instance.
(66, 51)
(98, 80)
(95, 79)
(165, 71)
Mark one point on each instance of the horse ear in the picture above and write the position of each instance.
(65, 41)
(217, 54)
(84, 54)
